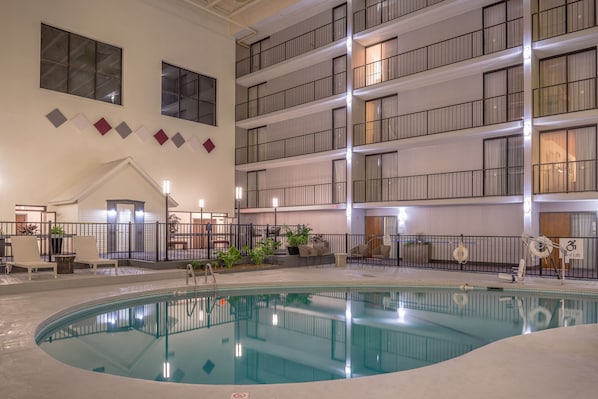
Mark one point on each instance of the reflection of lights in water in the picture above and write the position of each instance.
(348, 371)
(401, 313)
(274, 319)
(166, 369)
(238, 350)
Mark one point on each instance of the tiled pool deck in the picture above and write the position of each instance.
(559, 363)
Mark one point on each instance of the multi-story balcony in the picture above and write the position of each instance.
(472, 114)
(506, 181)
(567, 18)
(387, 10)
(461, 48)
(312, 143)
(565, 177)
(304, 195)
(299, 45)
(573, 96)
(302, 94)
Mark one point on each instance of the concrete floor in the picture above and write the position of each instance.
(559, 363)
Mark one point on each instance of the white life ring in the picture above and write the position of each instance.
(461, 254)
(460, 298)
(534, 247)
(540, 322)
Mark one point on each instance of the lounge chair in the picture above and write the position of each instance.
(381, 252)
(25, 254)
(86, 250)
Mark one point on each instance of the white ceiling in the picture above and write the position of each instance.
(251, 20)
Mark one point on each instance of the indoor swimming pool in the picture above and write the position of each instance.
(284, 336)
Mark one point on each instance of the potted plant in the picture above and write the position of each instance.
(418, 250)
(296, 238)
(56, 234)
(28, 229)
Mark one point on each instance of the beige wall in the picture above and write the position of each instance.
(37, 160)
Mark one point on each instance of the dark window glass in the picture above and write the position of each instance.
(77, 65)
(188, 95)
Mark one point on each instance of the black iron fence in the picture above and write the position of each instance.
(183, 242)
(565, 177)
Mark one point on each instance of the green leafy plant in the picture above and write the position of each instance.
(229, 256)
(262, 249)
(297, 237)
(57, 230)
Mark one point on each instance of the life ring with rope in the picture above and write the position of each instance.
(540, 317)
(461, 254)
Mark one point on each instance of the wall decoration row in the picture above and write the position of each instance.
(80, 121)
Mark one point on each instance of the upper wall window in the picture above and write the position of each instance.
(77, 65)
(188, 95)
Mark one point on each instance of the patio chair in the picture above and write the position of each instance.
(381, 252)
(86, 251)
(25, 254)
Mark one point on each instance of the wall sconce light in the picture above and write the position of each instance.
(527, 206)
(527, 53)
(402, 216)
(112, 212)
(527, 128)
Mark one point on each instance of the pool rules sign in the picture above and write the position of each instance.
(573, 246)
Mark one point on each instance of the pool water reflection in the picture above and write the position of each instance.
(282, 337)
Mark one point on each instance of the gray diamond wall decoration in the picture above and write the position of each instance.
(178, 140)
(123, 130)
(56, 117)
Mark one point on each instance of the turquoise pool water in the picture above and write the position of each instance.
(287, 336)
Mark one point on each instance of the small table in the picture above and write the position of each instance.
(340, 260)
(64, 263)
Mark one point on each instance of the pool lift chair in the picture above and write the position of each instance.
(540, 247)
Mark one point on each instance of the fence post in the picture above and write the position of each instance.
(49, 242)
(157, 241)
(130, 241)
(398, 250)
(347, 243)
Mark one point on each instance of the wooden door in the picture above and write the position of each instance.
(554, 225)
(200, 235)
(374, 231)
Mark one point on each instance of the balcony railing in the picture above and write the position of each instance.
(500, 109)
(298, 95)
(567, 97)
(311, 194)
(565, 177)
(450, 185)
(387, 10)
(446, 52)
(564, 19)
(315, 38)
(311, 143)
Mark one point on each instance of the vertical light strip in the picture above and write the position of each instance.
(530, 222)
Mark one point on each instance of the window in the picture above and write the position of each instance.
(567, 84)
(188, 95)
(567, 160)
(503, 166)
(80, 66)
(381, 121)
(503, 95)
(379, 59)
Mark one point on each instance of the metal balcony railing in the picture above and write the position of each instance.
(311, 143)
(449, 185)
(560, 20)
(305, 195)
(315, 38)
(464, 47)
(490, 111)
(566, 97)
(387, 10)
(565, 177)
(298, 95)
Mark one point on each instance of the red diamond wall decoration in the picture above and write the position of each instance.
(208, 145)
(161, 137)
(103, 126)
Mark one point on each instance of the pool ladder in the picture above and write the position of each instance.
(190, 272)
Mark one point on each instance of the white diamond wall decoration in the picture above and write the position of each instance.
(143, 133)
(81, 122)
(195, 143)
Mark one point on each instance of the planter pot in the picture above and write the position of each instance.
(56, 245)
(293, 250)
(416, 253)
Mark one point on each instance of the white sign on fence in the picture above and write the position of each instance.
(574, 247)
